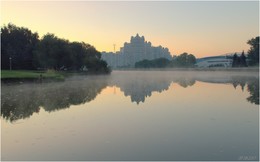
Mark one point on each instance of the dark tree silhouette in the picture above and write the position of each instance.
(17, 45)
(183, 60)
(243, 60)
(253, 52)
(21, 49)
(235, 62)
(253, 89)
(60, 54)
(156, 63)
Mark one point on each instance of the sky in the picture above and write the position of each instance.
(202, 28)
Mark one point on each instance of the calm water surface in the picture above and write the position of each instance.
(133, 115)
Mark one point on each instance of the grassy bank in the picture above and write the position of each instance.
(30, 75)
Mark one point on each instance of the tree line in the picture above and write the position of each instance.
(189, 60)
(252, 57)
(183, 60)
(21, 49)
(239, 61)
(253, 52)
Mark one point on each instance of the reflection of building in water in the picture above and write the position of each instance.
(139, 87)
(139, 90)
(138, 49)
(15, 103)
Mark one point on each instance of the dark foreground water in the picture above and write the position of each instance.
(133, 115)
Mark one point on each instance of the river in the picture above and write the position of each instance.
(133, 115)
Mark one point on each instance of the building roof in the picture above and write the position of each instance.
(212, 57)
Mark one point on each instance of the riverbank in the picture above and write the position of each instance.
(28, 75)
(51, 75)
(8, 76)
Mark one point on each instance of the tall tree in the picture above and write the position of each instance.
(21, 49)
(243, 60)
(51, 51)
(17, 45)
(253, 52)
(59, 54)
(235, 62)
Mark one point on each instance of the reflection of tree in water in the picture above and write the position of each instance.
(185, 82)
(252, 87)
(18, 103)
(251, 82)
(140, 87)
(64, 96)
(21, 101)
(239, 81)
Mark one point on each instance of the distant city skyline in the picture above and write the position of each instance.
(202, 28)
(137, 49)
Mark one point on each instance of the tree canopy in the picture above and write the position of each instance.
(22, 49)
(17, 45)
(253, 52)
(184, 60)
(156, 63)
(239, 61)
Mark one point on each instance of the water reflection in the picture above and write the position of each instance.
(253, 89)
(251, 83)
(21, 101)
(141, 86)
(185, 82)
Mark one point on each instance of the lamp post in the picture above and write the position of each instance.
(10, 62)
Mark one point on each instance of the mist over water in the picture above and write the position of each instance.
(133, 115)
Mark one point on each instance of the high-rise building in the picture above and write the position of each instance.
(138, 49)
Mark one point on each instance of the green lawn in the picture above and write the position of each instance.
(24, 74)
